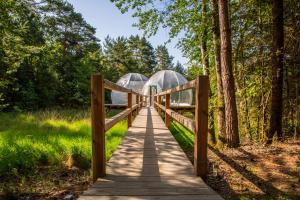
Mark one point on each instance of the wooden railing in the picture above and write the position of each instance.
(100, 125)
(199, 126)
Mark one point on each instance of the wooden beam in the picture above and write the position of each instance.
(109, 123)
(98, 126)
(185, 121)
(129, 99)
(163, 108)
(201, 132)
(112, 86)
(186, 86)
(167, 116)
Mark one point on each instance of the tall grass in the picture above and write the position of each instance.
(184, 137)
(51, 138)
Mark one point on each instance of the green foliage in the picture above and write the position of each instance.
(251, 24)
(164, 60)
(29, 140)
(48, 53)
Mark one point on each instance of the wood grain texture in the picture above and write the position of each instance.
(149, 164)
(201, 127)
(186, 86)
(98, 126)
(129, 101)
(167, 116)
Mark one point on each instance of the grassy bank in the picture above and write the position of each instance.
(49, 138)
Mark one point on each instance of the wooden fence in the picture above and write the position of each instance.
(100, 125)
(199, 126)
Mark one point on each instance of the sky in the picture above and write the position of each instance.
(108, 20)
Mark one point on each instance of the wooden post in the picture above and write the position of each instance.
(167, 117)
(137, 99)
(201, 119)
(150, 96)
(159, 102)
(141, 100)
(129, 99)
(98, 126)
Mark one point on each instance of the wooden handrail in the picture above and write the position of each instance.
(199, 126)
(186, 86)
(100, 125)
(185, 121)
(112, 86)
(109, 123)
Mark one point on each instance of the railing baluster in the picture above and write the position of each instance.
(98, 126)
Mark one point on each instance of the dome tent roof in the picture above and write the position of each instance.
(131, 79)
(167, 79)
(134, 81)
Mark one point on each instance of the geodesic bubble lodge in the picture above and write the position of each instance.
(167, 79)
(134, 81)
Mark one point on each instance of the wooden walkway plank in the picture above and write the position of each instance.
(149, 164)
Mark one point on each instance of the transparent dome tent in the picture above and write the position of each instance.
(167, 79)
(134, 81)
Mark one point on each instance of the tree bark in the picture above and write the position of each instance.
(205, 62)
(277, 71)
(220, 94)
(232, 134)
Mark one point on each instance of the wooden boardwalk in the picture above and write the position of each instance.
(149, 164)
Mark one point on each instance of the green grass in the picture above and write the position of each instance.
(184, 137)
(50, 138)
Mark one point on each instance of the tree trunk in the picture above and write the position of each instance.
(205, 62)
(232, 134)
(277, 71)
(220, 94)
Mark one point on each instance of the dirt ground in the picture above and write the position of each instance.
(248, 172)
(256, 171)
(46, 184)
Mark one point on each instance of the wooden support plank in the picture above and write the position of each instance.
(186, 86)
(163, 108)
(129, 100)
(167, 116)
(201, 119)
(185, 121)
(98, 126)
(112, 86)
(115, 119)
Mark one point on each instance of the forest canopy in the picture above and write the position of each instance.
(48, 53)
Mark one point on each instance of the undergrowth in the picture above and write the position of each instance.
(49, 138)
